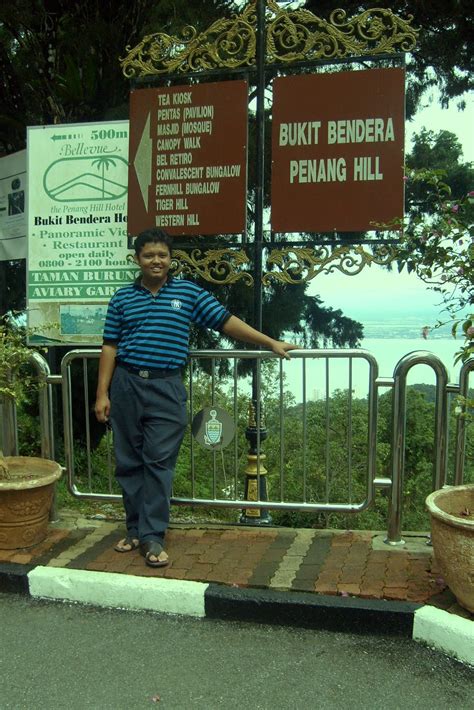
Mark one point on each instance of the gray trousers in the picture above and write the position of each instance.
(148, 418)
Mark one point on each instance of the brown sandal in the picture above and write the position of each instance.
(132, 543)
(153, 548)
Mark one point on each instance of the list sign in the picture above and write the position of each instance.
(337, 151)
(188, 158)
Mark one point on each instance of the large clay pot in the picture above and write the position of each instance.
(25, 500)
(452, 536)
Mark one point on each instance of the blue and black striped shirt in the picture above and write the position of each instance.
(152, 331)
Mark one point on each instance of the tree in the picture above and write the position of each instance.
(12, 286)
(59, 60)
(437, 239)
(443, 55)
(440, 151)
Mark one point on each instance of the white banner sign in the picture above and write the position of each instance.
(77, 227)
(12, 206)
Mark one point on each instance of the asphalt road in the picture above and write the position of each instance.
(55, 656)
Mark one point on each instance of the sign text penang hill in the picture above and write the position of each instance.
(188, 157)
(337, 151)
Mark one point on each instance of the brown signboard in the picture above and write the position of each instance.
(188, 159)
(337, 151)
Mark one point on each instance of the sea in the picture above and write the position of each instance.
(388, 342)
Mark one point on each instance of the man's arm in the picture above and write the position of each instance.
(106, 370)
(239, 330)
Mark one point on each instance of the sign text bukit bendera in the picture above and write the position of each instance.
(51, 220)
(370, 130)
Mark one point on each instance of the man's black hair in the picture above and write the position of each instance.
(154, 236)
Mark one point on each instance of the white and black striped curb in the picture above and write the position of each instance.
(437, 628)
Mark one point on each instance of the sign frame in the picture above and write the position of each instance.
(337, 163)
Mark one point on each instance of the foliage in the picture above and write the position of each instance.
(439, 248)
(49, 77)
(443, 53)
(15, 379)
(12, 286)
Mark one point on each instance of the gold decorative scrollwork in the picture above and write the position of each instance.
(303, 264)
(218, 266)
(227, 43)
(292, 35)
(299, 35)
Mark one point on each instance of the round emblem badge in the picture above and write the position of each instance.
(213, 428)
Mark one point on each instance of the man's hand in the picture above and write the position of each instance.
(106, 370)
(102, 408)
(281, 348)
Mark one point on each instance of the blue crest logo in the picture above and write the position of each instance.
(213, 433)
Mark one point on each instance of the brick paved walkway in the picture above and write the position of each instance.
(346, 563)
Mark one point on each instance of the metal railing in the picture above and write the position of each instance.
(307, 458)
(460, 453)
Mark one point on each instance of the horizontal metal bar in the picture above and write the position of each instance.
(340, 353)
(238, 504)
(384, 382)
(275, 505)
(383, 482)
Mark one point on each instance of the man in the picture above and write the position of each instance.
(145, 346)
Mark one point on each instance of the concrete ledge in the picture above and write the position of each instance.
(107, 589)
(334, 613)
(446, 632)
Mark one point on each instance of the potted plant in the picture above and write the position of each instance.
(452, 535)
(26, 482)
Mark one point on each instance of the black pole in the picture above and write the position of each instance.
(260, 158)
(256, 481)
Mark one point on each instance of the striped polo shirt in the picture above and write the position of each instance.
(152, 331)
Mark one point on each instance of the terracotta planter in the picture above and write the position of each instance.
(453, 539)
(25, 501)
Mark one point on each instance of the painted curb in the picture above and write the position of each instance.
(364, 616)
(14, 578)
(108, 589)
(445, 632)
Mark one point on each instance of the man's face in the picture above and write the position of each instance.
(154, 261)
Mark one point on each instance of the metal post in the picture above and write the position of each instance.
(260, 157)
(255, 472)
(394, 533)
(460, 453)
(8, 429)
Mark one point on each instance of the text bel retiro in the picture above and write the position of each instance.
(357, 130)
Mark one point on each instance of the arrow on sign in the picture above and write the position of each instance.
(142, 162)
(65, 136)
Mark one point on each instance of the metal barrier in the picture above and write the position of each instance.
(306, 470)
(394, 536)
(238, 355)
(45, 407)
(463, 390)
